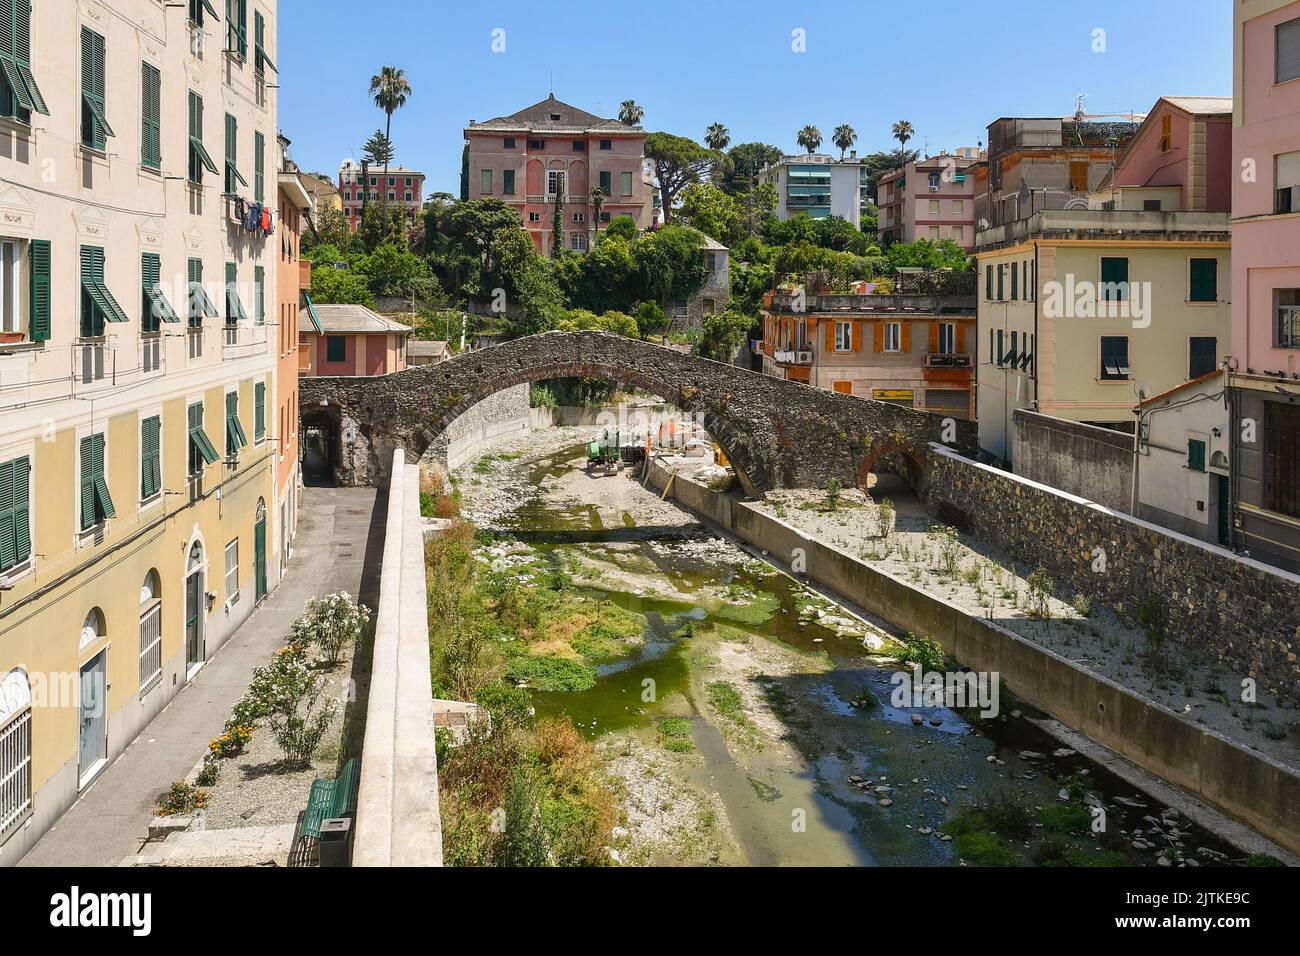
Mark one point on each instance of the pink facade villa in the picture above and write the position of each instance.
(1180, 160)
(932, 198)
(527, 157)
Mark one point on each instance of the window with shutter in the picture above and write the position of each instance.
(202, 451)
(15, 521)
(1287, 51)
(235, 438)
(259, 295)
(234, 308)
(259, 411)
(237, 28)
(94, 117)
(19, 94)
(199, 7)
(150, 116)
(96, 502)
(150, 457)
(154, 305)
(1204, 355)
(1282, 458)
(40, 290)
(1114, 279)
(1114, 358)
(1204, 280)
(199, 156)
(97, 303)
(259, 167)
(232, 156)
(260, 58)
(1195, 454)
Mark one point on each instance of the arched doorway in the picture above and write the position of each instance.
(259, 552)
(92, 736)
(321, 445)
(150, 631)
(15, 750)
(195, 572)
(896, 470)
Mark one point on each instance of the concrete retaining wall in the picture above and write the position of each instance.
(1091, 462)
(1252, 788)
(398, 823)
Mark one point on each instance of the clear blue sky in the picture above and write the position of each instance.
(948, 67)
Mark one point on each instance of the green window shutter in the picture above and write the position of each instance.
(150, 116)
(336, 348)
(235, 438)
(96, 502)
(201, 448)
(237, 27)
(232, 156)
(261, 59)
(234, 308)
(259, 411)
(40, 290)
(155, 306)
(16, 59)
(607, 182)
(1204, 280)
(508, 182)
(194, 284)
(259, 293)
(150, 457)
(259, 167)
(92, 315)
(1114, 271)
(15, 536)
(200, 159)
(1195, 455)
(94, 117)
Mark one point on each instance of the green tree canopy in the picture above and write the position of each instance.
(679, 161)
(331, 285)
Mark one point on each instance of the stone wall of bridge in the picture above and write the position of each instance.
(777, 434)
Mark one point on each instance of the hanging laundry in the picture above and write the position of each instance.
(266, 219)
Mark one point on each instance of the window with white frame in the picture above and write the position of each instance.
(12, 287)
(893, 337)
(150, 632)
(578, 241)
(232, 572)
(555, 182)
(843, 336)
(1288, 318)
(947, 338)
(579, 217)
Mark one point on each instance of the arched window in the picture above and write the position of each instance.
(92, 629)
(196, 558)
(15, 750)
(150, 632)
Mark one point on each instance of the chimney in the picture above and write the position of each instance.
(853, 154)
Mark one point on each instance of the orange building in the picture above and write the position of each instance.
(909, 350)
(294, 279)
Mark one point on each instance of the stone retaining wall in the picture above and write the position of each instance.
(1085, 460)
(1243, 612)
(1246, 785)
(501, 416)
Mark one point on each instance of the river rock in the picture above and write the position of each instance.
(886, 802)
(918, 719)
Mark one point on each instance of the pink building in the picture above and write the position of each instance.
(1180, 160)
(933, 198)
(349, 340)
(1265, 373)
(527, 157)
(405, 188)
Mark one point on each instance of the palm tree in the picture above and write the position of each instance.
(717, 137)
(597, 200)
(810, 137)
(844, 137)
(630, 113)
(391, 90)
(903, 131)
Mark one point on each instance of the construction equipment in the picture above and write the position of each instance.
(605, 454)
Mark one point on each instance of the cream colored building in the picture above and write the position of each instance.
(136, 373)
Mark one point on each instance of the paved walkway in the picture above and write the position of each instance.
(339, 547)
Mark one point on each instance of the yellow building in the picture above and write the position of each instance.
(137, 367)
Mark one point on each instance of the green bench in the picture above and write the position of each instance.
(332, 798)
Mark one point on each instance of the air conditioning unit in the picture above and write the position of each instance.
(934, 189)
(803, 358)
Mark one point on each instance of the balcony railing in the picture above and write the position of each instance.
(949, 360)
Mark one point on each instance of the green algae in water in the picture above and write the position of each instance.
(552, 673)
(756, 610)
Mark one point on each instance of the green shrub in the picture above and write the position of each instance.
(984, 849)
(1063, 818)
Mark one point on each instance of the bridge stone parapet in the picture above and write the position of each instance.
(777, 434)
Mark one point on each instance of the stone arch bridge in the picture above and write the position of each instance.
(777, 434)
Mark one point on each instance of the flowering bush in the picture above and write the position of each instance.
(332, 623)
(232, 741)
(181, 798)
(286, 693)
